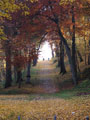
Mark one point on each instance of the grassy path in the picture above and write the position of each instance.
(34, 105)
(47, 78)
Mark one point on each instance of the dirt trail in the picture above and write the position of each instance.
(47, 75)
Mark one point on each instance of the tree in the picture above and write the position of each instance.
(28, 21)
(51, 13)
(74, 43)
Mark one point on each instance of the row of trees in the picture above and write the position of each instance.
(24, 25)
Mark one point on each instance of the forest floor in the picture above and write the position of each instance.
(50, 94)
(47, 74)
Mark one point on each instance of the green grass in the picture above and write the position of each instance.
(84, 84)
(67, 94)
(64, 94)
(83, 87)
(10, 92)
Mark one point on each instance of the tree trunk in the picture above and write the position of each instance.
(35, 62)
(89, 59)
(74, 77)
(19, 78)
(85, 51)
(62, 65)
(52, 51)
(57, 50)
(73, 43)
(52, 54)
(80, 56)
(8, 65)
(78, 68)
(57, 55)
(28, 73)
(58, 62)
(15, 73)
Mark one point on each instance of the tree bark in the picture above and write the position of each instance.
(73, 43)
(8, 65)
(62, 65)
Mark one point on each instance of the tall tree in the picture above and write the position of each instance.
(74, 43)
(53, 12)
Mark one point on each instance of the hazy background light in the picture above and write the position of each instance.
(45, 51)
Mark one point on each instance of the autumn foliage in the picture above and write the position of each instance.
(23, 24)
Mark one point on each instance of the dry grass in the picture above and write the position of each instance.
(74, 109)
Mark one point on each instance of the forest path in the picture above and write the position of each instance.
(47, 75)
